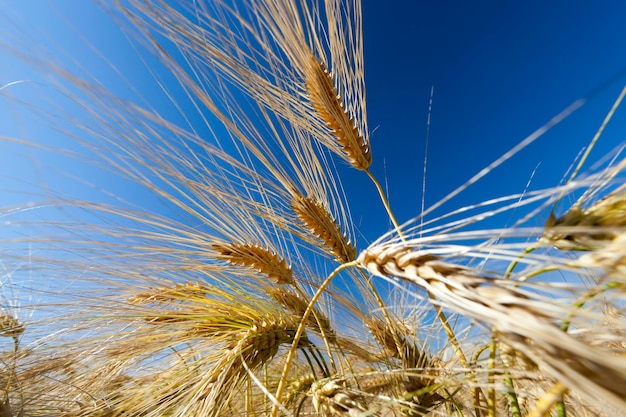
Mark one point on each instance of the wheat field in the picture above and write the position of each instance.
(212, 263)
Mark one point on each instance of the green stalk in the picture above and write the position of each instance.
(491, 392)
(512, 397)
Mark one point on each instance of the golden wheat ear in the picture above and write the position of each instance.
(321, 224)
(10, 326)
(328, 104)
(332, 399)
(589, 228)
(396, 344)
(298, 305)
(263, 260)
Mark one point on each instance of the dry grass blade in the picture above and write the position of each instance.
(321, 224)
(261, 259)
(524, 323)
(328, 104)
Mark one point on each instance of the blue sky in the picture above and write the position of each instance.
(500, 70)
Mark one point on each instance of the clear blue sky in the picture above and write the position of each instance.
(500, 70)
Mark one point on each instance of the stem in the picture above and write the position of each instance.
(512, 265)
(319, 359)
(322, 331)
(477, 391)
(590, 294)
(383, 198)
(491, 391)
(294, 345)
(308, 360)
(12, 373)
(383, 309)
(560, 407)
(449, 332)
(545, 403)
(512, 396)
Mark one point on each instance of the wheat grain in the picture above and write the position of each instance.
(227, 337)
(328, 104)
(261, 259)
(298, 305)
(299, 387)
(587, 229)
(610, 259)
(396, 344)
(333, 400)
(254, 347)
(10, 326)
(320, 223)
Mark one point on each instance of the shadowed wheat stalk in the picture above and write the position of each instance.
(249, 291)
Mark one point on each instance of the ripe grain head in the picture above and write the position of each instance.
(297, 305)
(10, 326)
(319, 222)
(263, 260)
(328, 105)
(586, 229)
(334, 400)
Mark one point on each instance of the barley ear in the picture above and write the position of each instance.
(263, 260)
(10, 326)
(329, 106)
(332, 399)
(321, 224)
(297, 305)
(589, 228)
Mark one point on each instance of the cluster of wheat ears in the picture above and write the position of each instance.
(254, 296)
